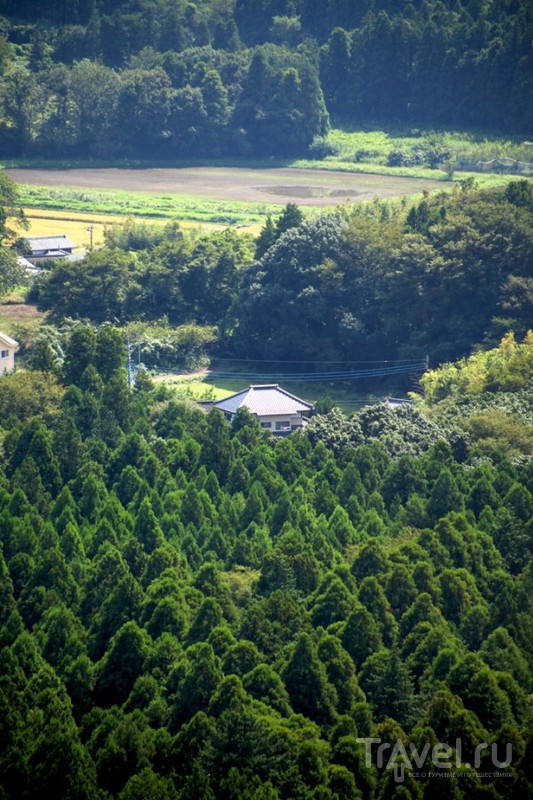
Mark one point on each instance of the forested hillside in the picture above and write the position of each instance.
(176, 79)
(193, 609)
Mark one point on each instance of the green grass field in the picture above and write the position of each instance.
(149, 206)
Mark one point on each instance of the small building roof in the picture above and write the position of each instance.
(55, 243)
(267, 400)
(31, 269)
(393, 402)
(8, 340)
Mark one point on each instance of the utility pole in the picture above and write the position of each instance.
(90, 229)
(130, 364)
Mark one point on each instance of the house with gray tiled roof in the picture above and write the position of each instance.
(43, 248)
(276, 409)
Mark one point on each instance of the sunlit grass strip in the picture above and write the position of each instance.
(86, 217)
(483, 179)
(124, 204)
(332, 163)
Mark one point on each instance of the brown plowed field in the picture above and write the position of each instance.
(276, 186)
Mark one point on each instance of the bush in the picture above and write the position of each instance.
(321, 148)
(429, 156)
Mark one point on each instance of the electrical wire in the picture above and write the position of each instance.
(311, 377)
(312, 361)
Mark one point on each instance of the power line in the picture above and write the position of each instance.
(311, 377)
(344, 402)
(311, 361)
(340, 375)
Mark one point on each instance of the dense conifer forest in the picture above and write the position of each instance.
(193, 609)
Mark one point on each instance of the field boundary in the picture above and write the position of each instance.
(226, 196)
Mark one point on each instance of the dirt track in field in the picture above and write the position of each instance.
(276, 186)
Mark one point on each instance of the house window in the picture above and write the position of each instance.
(266, 424)
(284, 425)
(4, 353)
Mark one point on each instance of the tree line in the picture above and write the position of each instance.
(194, 609)
(200, 102)
(375, 281)
(176, 79)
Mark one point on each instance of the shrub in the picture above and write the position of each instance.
(321, 148)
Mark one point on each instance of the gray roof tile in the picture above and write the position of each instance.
(266, 400)
(58, 242)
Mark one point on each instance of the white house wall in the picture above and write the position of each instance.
(7, 363)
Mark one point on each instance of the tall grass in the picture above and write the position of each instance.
(228, 212)
(373, 147)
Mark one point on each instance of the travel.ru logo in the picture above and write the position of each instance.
(398, 757)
